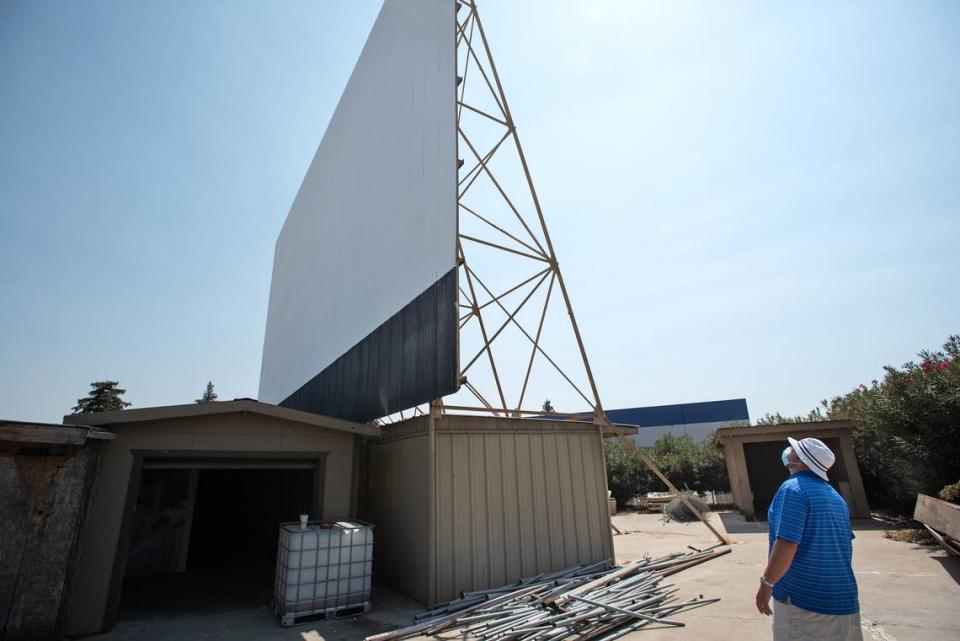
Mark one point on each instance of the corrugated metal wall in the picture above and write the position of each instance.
(409, 359)
(398, 505)
(514, 499)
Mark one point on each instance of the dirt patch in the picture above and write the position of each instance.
(917, 536)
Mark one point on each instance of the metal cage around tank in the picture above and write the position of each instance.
(323, 568)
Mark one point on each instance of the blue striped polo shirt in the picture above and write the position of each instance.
(807, 511)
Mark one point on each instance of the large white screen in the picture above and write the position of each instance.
(374, 223)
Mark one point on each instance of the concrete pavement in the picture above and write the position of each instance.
(907, 592)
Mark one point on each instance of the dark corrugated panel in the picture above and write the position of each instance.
(681, 414)
(410, 359)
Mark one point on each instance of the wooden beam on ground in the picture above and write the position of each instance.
(690, 564)
(653, 468)
(940, 515)
(949, 545)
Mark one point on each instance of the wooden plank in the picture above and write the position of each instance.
(940, 515)
(43, 498)
(27, 433)
(670, 486)
(951, 547)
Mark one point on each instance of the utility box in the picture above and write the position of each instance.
(323, 568)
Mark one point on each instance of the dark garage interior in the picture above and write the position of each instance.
(766, 472)
(204, 536)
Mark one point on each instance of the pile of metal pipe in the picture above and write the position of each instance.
(596, 602)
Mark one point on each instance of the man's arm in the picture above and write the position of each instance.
(780, 559)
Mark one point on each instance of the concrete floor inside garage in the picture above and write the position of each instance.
(907, 592)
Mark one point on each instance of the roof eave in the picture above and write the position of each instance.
(166, 412)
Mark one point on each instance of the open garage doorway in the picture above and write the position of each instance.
(204, 533)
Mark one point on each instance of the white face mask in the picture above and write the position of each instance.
(785, 457)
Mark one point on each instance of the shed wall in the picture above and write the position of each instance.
(515, 500)
(500, 499)
(398, 505)
(240, 433)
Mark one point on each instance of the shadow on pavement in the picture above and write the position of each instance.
(865, 525)
(391, 610)
(950, 563)
(734, 523)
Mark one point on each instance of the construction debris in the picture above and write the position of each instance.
(596, 601)
(951, 546)
(677, 510)
(915, 535)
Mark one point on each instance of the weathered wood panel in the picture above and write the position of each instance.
(940, 515)
(44, 491)
(33, 433)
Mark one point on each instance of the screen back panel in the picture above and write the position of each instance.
(361, 261)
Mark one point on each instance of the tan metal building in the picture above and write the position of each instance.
(204, 483)
(465, 503)
(753, 463)
(190, 494)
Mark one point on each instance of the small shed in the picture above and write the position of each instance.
(465, 503)
(188, 498)
(46, 475)
(753, 463)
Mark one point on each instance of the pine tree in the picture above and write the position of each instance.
(208, 395)
(104, 397)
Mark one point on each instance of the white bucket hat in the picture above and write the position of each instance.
(815, 454)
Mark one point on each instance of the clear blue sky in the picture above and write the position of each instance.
(748, 199)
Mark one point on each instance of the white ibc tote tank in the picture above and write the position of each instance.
(323, 568)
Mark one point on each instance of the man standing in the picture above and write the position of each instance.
(809, 571)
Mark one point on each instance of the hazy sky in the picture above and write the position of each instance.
(749, 199)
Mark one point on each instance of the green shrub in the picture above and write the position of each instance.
(627, 475)
(906, 427)
(687, 463)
